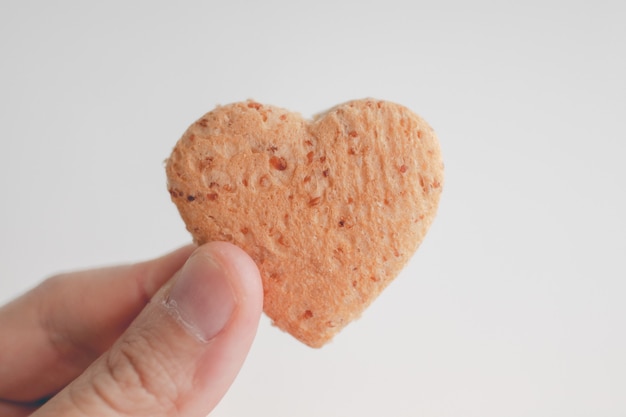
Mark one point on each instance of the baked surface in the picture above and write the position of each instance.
(331, 209)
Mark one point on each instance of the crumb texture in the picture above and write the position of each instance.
(331, 209)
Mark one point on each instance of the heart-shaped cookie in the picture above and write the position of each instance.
(330, 209)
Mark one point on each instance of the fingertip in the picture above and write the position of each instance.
(153, 273)
(227, 350)
(242, 271)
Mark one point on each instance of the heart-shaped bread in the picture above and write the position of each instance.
(330, 209)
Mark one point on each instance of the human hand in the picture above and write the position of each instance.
(130, 341)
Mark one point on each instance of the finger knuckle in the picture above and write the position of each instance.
(136, 379)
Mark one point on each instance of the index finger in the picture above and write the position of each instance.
(53, 332)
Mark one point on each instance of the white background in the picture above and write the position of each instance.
(515, 303)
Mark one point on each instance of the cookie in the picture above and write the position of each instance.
(331, 209)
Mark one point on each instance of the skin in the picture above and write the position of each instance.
(104, 342)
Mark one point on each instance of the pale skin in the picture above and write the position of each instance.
(148, 339)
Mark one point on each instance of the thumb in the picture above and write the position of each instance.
(184, 349)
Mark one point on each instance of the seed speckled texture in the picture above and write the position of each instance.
(331, 209)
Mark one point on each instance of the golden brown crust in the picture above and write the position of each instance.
(330, 209)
